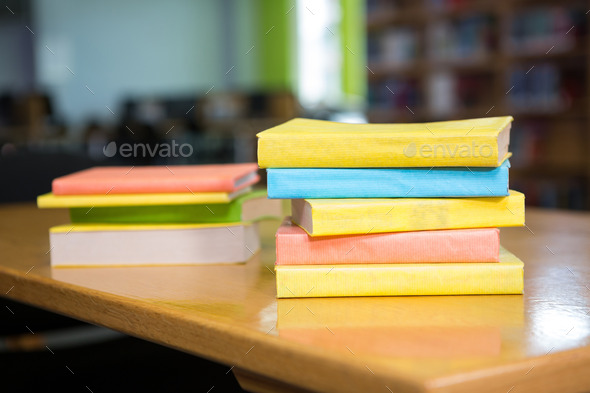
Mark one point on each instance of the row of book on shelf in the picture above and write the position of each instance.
(537, 87)
(474, 36)
(376, 209)
(468, 39)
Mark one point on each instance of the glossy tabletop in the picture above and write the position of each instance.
(532, 343)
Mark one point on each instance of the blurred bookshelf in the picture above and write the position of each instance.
(219, 127)
(434, 60)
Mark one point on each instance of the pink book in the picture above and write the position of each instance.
(157, 179)
(296, 247)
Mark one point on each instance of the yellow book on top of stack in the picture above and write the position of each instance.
(305, 143)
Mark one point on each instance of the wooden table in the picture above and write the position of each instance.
(539, 342)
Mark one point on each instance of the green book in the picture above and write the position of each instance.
(248, 207)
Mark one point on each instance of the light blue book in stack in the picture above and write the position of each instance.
(320, 183)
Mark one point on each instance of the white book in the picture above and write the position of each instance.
(161, 244)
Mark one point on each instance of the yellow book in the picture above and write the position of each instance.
(505, 277)
(322, 144)
(50, 200)
(323, 217)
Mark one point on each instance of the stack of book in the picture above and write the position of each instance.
(393, 209)
(160, 215)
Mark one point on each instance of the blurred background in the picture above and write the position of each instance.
(76, 76)
(450, 59)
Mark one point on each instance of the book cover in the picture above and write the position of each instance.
(296, 183)
(51, 200)
(322, 144)
(142, 245)
(323, 217)
(157, 179)
(295, 247)
(505, 277)
(252, 206)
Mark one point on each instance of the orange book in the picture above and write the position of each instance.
(295, 247)
(157, 179)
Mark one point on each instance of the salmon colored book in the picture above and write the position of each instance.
(157, 179)
(296, 247)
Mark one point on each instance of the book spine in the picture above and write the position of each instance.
(65, 187)
(399, 280)
(356, 151)
(173, 214)
(402, 215)
(461, 245)
(167, 214)
(129, 245)
(50, 200)
(294, 183)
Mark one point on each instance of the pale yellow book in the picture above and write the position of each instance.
(505, 277)
(323, 217)
(301, 143)
(51, 200)
(94, 245)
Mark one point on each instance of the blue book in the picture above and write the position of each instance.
(316, 183)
